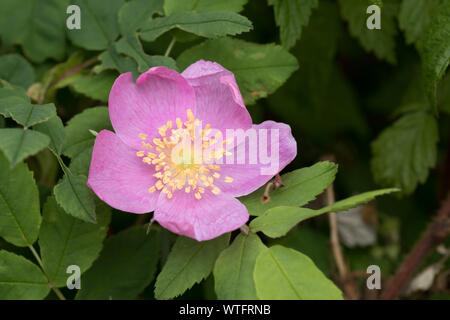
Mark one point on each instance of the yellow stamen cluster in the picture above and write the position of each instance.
(195, 178)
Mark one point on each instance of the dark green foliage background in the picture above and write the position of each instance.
(378, 101)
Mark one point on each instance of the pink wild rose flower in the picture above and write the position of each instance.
(138, 168)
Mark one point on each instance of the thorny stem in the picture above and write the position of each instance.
(169, 48)
(437, 231)
(38, 258)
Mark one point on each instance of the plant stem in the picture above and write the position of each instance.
(334, 235)
(64, 168)
(169, 48)
(76, 69)
(350, 290)
(436, 232)
(67, 73)
(38, 258)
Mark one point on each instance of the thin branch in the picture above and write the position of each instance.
(55, 289)
(76, 69)
(334, 236)
(350, 290)
(64, 75)
(437, 232)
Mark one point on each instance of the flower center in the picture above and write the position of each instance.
(182, 158)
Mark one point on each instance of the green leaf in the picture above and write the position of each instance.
(382, 41)
(112, 60)
(53, 128)
(300, 187)
(126, 266)
(171, 6)
(189, 262)
(308, 93)
(354, 201)
(377, 2)
(11, 95)
(404, 152)
(21, 279)
(276, 222)
(131, 46)
(75, 197)
(80, 163)
(133, 14)
(99, 24)
(77, 130)
(444, 95)
(28, 114)
(19, 219)
(66, 241)
(312, 242)
(16, 70)
(15, 103)
(212, 24)
(38, 26)
(233, 271)
(285, 274)
(291, 16)
(415, 17)
(96, 86)
(18, 144)
(435, 51)
(259, 69)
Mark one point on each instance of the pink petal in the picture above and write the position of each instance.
(159, 95)
(202, 219)
(248, 177)
(119, 177)
(219, 101)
